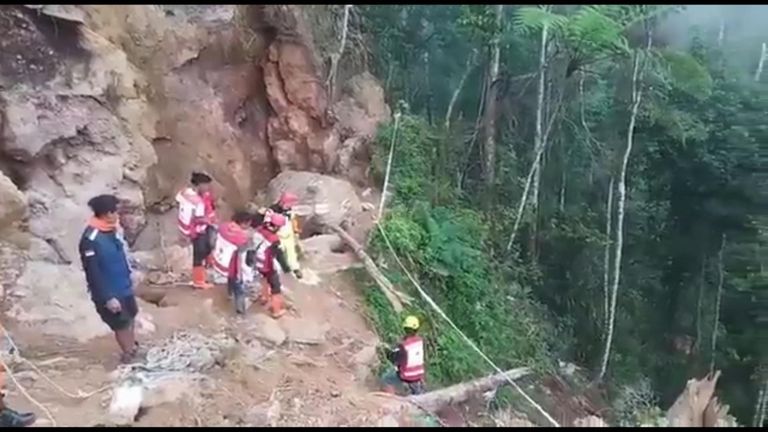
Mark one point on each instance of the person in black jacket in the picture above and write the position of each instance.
(108, 274)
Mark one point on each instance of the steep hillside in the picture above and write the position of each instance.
(130, 99)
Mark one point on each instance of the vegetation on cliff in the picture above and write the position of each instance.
(578, 183)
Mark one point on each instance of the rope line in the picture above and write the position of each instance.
(440, 312)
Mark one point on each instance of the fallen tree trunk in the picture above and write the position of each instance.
(458, 393)
(697, 406)
(396, 298)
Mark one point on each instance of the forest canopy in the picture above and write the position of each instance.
(582, 183)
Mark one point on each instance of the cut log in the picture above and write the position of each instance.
(435, 400)
(396, 298)
(697, 406)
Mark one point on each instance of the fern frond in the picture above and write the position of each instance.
(532, 19)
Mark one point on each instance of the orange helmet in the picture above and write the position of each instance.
(275, 219)
(288, 200)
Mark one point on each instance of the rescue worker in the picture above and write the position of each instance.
(289, 234)
(9, 417)
(408, 358)
(104, 259)
(266, 250)
(195, 221)
(229, 257)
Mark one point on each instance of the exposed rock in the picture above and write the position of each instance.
(590, 421)
(268, 330)
(304, 332)
(144, 324)
(366, 356)
(264, 414)
(125, 404)
(332, 201)
(175, 259)
(55, 299)
(128, 99)
(12, 203)
(170, 389)
(322, 244)
(388, 421)
(359, 113)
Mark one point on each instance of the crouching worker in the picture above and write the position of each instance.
(229, 257)
(266, 250)
(8, 417)
(108, 274)
(195, 221)
(408, 358)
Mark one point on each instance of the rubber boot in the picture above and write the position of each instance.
(11, 418)
(266, 292)
(198, 278)
(276, 308)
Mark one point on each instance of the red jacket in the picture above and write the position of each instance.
(210, 206)
(230, 241)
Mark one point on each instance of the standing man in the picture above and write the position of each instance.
(289, 233)
(229, 257)
(408, 358)
(195, 222)
(108, 274)
(266, 246)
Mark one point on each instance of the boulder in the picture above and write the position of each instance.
(304, 332)
(267, 330)
(13, 204)
(54, 299)
(323, 200)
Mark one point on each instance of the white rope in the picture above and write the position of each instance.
(437, 308)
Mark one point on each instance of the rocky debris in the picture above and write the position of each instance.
(254, 353)
(388, 421)
(364, 362)
(332, 201)
(170, 389)
(267, 330)
(264, 414)
(145, 324)
(590, 421)
(304, 332)
(322, 245)
(125, 404)
(13, 204)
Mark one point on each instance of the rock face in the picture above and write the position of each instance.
(331, 201)
(129, 99)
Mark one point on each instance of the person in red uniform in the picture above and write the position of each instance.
(229, 255)
(195, 222)
(266, 250)
(408, 358)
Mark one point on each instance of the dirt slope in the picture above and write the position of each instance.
(316, 377)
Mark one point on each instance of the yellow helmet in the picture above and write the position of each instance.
(411, 322)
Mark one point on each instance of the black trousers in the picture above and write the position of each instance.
(202, 246)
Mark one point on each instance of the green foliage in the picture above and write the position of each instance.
(687, 74)
(530, 20)
(697, 171)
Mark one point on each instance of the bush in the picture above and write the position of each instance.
(446, 249)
